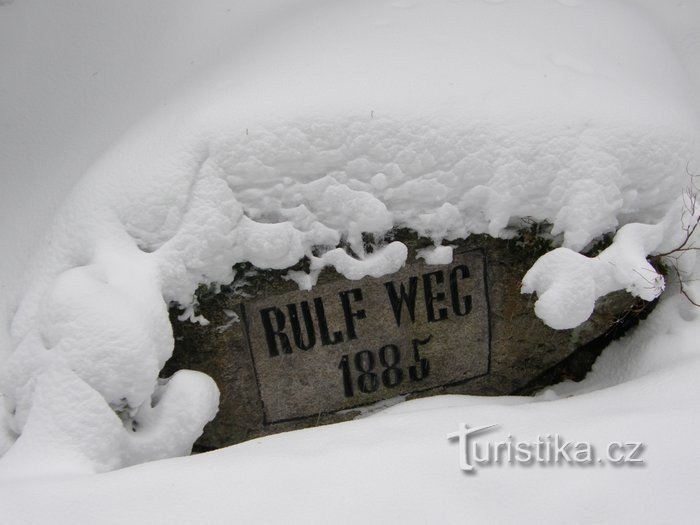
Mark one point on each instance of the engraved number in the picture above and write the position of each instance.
(347, 377)
(367, 382)
(392, 375)
(421, 369)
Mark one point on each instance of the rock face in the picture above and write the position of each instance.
(286, 359)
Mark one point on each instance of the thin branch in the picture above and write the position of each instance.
(683, 290)
(690, 206)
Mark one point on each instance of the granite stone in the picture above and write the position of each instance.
(286, 359)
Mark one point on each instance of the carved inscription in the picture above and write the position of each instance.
(350, 343)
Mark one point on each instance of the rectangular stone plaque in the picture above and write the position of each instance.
(350, 343)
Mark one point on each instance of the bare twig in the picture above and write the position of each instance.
(682, 288)
(690, 201)
(690, 220)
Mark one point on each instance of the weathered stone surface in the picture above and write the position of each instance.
(347, 344)
(286, 359)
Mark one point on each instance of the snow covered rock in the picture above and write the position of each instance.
(285, 358)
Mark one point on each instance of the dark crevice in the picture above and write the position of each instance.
(577, 365)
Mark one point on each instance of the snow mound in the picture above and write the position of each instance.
(451, 119)
(568, 283)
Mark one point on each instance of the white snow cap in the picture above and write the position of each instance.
(449, 118)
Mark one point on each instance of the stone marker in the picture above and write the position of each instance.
(347, 344)
(285, 358)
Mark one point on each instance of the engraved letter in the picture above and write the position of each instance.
(296, 326)
(460, 306)
(323, 325)
(430, 298)
(349, 314)
(398, 302)
(272, 334)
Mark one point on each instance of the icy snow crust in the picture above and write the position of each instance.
(301, 153)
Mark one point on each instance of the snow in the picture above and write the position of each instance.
(325, 121)
(397, 465)
(568, 283)
(436, 255)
